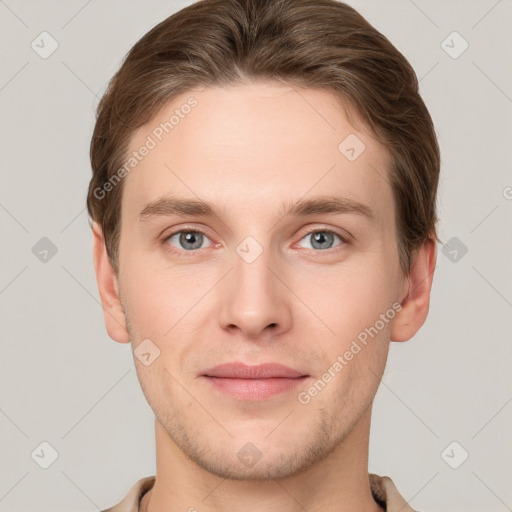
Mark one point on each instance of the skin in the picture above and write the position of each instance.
(247, 149)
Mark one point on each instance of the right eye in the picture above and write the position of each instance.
(187, 240)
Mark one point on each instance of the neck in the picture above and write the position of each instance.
(339, 481)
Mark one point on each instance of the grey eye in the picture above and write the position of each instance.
(188, 240)
(321, 239)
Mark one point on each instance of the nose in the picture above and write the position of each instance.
(255, 301)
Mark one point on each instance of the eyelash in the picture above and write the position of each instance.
(193, 252)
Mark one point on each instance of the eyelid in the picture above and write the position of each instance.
(344, 235)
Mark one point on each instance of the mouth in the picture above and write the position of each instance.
(254, 383)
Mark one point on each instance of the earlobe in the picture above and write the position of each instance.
(108, 287)
(416, 303)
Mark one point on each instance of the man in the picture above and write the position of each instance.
(263, 206)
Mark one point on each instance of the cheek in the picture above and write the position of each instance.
(356, 351)
(155, 297)
(161, 391)
(348, 298)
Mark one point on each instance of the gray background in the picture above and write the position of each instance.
(63, 381)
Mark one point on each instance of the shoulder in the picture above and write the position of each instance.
(130, 502)
(385, 492)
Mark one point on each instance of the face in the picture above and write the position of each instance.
(296, 261)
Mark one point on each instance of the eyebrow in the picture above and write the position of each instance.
(168, 206)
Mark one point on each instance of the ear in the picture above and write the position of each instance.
(108, 287)
(416, 290)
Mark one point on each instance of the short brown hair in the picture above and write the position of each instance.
(310, 43)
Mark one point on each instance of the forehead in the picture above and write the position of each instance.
(256, 145)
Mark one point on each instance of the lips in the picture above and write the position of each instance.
(238, 370)
(253, 383)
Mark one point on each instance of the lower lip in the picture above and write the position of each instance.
(255, 389)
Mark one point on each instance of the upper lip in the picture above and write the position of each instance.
(238, 370)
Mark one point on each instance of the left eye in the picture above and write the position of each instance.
(321, 239)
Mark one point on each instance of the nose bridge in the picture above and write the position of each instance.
(253, 298)
(251, 264)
